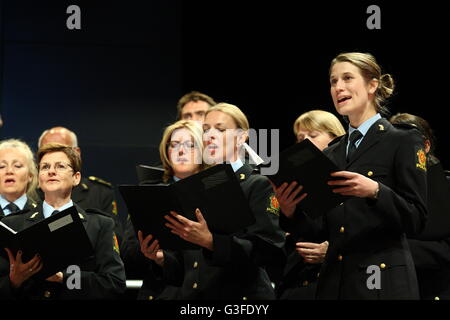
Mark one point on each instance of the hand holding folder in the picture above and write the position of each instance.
(311, 168)
(60, 240)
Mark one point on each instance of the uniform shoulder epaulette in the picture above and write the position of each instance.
(407, 126)
(97, 211)
(101, 181)
(335, 140)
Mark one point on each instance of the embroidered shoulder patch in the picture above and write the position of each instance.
(116, 244)
(114, 207)
(274, 205)
(421, 160)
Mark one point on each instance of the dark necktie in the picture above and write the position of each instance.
(355, 136)
(54, 212)
(12, 207)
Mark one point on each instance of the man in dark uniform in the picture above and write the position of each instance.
(193, 106)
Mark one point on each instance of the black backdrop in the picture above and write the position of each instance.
(116, 81)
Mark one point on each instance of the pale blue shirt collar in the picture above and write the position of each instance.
(176, 178)
(20, 202)
(363, 128)
(237, 164)
(47, 209)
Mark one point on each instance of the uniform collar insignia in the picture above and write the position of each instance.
(34, 215)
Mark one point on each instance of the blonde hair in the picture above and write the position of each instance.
(370, 70)
(197, 133)
(319, 120)
(31, 164)
(239, 118)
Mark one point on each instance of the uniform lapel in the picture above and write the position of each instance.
(372, 137)
(244, 172)
(34, 215)
(81, 213)
(337, 152)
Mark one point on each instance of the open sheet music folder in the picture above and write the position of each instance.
(61, 240)
(215, 191)
(310, 167)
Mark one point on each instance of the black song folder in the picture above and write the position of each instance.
(61, 240)
(215, 191)
(310, 167)
(148, 174)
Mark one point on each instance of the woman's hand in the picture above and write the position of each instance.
(192, 231)
(20, 272)
(355, 184)
(312, 252)
(152, 251)
(287, 197)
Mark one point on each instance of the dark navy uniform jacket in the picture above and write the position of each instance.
(236, 267)
(365, 232)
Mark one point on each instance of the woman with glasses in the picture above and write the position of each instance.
(103, 275)
(227, 266)
(181, 156)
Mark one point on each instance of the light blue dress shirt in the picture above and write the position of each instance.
(48, 209)
(363, 128)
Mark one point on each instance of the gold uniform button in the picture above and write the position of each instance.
(436, 298)
(342, 230)
(195, 264)
(305, 283)
(194, 285)
(340, 258)
(382, 266)
(370, 173)
(47, 294)
(244, 298)
(150, 297)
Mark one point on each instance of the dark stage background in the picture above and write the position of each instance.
(116, 81)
